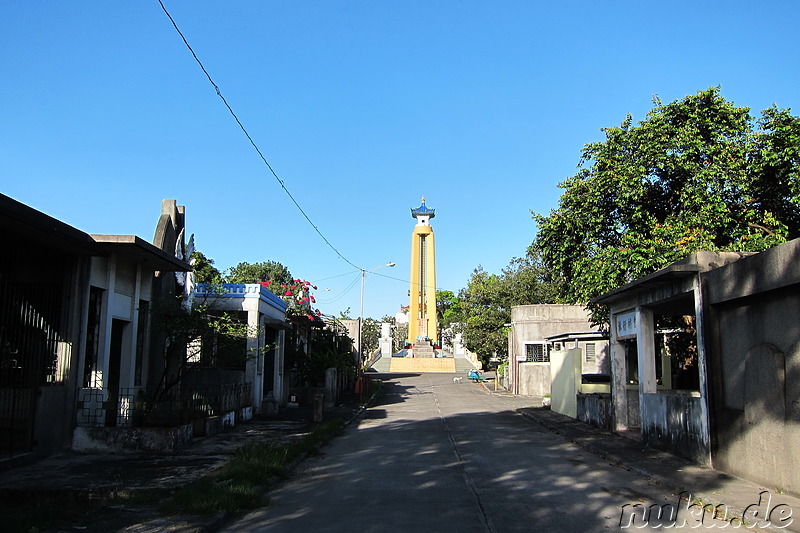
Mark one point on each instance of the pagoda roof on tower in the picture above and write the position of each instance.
(423, 210)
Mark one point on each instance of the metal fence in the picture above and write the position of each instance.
(131, 407)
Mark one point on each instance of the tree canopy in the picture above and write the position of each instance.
(204, 269)
(264, 271)
(485, 304)
(696, 174)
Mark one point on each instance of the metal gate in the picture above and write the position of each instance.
(31, 293)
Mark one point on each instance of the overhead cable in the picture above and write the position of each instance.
(249, 138)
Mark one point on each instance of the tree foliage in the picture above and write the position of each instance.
(271, 271)
(204, 269)
(202, 336)
(370, 335)
(485, 304)
(696, 174)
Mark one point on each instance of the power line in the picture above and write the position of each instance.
(316, 282)
(402, 280)
(249, 138)
(343, 293)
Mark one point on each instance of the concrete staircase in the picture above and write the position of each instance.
(383, 364)
(463, 366)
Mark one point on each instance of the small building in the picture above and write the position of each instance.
(659, 357)
(536, 330)
(74, 328)
(265, 314)
(706, 361)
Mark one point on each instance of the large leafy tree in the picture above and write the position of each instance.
(485, 304)
(698, 173)
(485, 314)
(271, 271)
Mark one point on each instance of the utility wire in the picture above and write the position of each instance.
(344, 291)
(249, 138)
(316, 282)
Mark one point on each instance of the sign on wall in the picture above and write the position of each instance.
(626, 325)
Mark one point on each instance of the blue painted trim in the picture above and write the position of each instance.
(244, 290)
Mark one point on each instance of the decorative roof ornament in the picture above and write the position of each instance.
(423, 210)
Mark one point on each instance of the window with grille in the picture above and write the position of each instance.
(536, 353)
(590, 353)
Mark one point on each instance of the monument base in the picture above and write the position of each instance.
(423, 365)
(422, 350)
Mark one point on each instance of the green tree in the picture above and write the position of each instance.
(448, 308)
(204, 269)
(526, 281)
(484, 306)
(449, 316)
(696, 174)
(485, 314)
(265, 271)
(370, 333)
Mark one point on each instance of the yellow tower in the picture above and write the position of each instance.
(422, 323)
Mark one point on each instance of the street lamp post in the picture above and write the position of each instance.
(361, 314)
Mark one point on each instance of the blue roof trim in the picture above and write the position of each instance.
(243, 290)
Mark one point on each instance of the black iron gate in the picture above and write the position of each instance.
(31, 296)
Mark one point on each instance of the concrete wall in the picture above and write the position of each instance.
(595, 409)
(533, 379)
(755, 361)
(675, 422)
(565, 379)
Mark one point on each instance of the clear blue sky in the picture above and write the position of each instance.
(361, 107)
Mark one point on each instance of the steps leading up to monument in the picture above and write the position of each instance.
(423, 364)
(382, 365)
(462, 364)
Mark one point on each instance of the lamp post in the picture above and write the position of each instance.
(361, 314)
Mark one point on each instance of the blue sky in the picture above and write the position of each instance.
(361, 107)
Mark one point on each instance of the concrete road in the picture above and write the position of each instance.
(434, 455)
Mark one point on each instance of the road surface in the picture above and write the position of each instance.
(434, 455)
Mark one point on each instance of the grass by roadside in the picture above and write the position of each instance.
(240, 485)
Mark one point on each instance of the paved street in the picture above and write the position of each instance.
(433, 455)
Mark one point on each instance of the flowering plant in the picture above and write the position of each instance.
(298, 297)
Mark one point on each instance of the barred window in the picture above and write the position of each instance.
(536, 353)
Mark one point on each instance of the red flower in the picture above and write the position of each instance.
(287, 293)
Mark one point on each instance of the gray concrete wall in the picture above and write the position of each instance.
(596, 410)
(674, 422)
(755, 366)
(534, 379)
